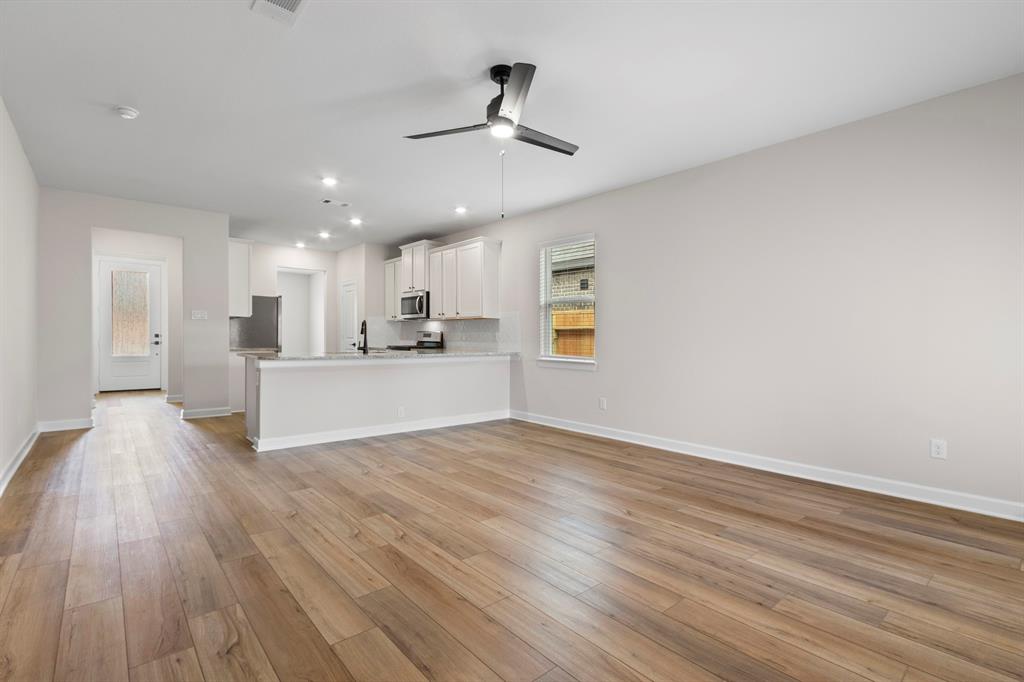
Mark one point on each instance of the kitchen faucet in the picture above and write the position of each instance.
(366, 344)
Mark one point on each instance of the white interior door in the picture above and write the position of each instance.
(349, 316)
(130, 337)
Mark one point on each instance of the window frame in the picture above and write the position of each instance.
(545, 302)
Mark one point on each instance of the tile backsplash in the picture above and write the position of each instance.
(502, 334)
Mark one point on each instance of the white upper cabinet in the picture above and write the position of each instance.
(436, 286)
(239, 279)
(468, 284)
(415, 275)
(469, 297)
(392, 294)
(449, 289)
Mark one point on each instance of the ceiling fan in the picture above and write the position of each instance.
(504, 111)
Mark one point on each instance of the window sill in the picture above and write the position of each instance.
(585, 364)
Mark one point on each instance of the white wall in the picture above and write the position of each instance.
(835, 300)
(266, 259)
(374, 256)
(294, 290)
(351, 263)
(19, 201)
(154, 247)
(66, 221)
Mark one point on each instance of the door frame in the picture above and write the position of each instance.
(311, 272)
(97, 301)
(355, 311)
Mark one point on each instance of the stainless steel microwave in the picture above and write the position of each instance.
(416, 305)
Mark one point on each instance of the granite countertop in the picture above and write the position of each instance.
(253, 350)
(383, 354)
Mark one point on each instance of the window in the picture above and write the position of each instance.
(568, 290)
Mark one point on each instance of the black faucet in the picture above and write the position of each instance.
(366, 344)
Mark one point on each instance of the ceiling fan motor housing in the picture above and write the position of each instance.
(492, 113)
(500, 73)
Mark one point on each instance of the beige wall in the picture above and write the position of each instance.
(266, 259)
(373, 271)
(155, 247)
(364, 265)
(352, 268)
(66, 221)
(19, 201)
(834, 301)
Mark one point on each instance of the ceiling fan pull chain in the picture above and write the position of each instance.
(501, 183)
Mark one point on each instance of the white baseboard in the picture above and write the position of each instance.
(22, 453)
(990, 506)
(280, 442)
(174, 398)
(203, 412)
(65, 425)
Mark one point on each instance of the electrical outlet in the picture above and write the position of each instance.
(401, 410)
(199, 315)
(602, 403)
(937, 448)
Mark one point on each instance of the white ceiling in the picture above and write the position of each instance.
(243, 115)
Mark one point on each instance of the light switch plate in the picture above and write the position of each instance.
(199, 315)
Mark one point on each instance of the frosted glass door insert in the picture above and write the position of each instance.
(129, 313)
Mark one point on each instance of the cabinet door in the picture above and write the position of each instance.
(419, 267)
(405, 275)
(239, 291)
(436, 286)
(398, 292)
(389, 291)
(449, 282)
(469, 285)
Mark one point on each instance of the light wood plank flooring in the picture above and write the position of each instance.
(154, 549)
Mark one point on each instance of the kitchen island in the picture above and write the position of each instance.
(304, 400)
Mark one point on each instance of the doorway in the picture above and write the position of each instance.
(302, 295)
(349, 314)
(130, 324)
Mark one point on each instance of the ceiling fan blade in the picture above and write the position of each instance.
(516, 89)
(450, 131)
(535, 137)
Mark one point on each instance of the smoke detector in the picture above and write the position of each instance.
(127, 113)
(283, 11)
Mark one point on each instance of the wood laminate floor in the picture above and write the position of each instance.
(154, 549)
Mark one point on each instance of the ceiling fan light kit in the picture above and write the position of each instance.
(505, 110)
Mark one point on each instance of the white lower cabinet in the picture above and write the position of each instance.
(236, 382)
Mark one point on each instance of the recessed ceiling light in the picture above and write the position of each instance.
(461, 210)
(127, 113)
(355, 222)
(324, 234)
(329, 181)
(300, 245)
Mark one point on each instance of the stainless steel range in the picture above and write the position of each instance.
(426, 342)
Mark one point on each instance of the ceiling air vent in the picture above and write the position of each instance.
(284, 11)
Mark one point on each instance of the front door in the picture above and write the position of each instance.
(130, 339)
(349, 317)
